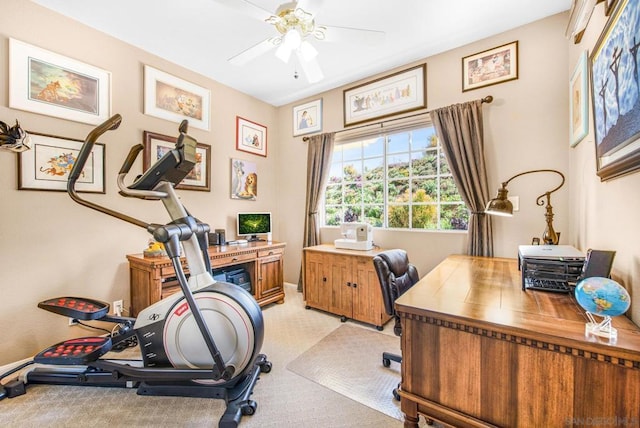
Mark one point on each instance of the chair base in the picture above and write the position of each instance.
(387, 357)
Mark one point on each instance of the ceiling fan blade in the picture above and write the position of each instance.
(354, 35)
(310, 68)
(247, 8)
(310, 6)
(254, 51)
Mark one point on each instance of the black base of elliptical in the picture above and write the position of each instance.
(236, 396)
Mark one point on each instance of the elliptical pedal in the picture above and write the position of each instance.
(76, 307)
(78, 351)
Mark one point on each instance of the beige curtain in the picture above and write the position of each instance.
(319, 154)
(460, 130)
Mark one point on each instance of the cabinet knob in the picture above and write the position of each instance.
(348, 284)
(355, 285)
(324, 279)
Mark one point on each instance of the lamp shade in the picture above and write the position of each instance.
(500, 205)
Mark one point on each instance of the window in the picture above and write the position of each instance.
(400, 180)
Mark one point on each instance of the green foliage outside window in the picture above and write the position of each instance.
(408, 187)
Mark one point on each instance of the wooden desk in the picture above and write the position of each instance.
(153, 278)
(479, 351)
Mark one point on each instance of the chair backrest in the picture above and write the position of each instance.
(396, 275)
(597, 263)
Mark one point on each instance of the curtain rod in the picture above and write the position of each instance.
(488, 99)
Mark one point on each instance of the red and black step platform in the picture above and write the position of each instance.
(77, 351)
(76, 307)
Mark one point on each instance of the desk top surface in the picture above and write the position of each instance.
(486, 292)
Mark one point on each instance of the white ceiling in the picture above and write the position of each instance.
(201, 35)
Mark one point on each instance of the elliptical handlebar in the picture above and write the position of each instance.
(112, 123)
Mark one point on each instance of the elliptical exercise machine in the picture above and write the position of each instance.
(201, 342)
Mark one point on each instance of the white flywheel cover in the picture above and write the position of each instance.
(230, 327)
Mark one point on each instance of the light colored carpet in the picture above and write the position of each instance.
(349, 361)
(285, 399)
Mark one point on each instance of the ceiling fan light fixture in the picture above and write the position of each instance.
(292, 39)
(283, 53)
(307, 51)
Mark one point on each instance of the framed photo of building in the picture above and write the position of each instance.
(199, 178)
(44, 82)
(578, 103)
(490, 67)
(397, 93)
(49, 162)
(171, 98)
(307, 118)
(615, 93)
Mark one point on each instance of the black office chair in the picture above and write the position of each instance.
(396, 275)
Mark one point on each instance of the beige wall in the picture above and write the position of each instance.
(52, 247)
(526, 128)
(604, 215)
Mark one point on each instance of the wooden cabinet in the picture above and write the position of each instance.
(153, 278)
(343, 282)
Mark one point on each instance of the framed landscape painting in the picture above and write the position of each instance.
(615, 92)
(171, 98)
(49, 162)
(44, 82)
(199, 178)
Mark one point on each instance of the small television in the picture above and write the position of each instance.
(250, 225)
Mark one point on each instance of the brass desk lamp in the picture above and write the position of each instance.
(502, 206)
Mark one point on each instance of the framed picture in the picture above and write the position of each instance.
(174, 99)
(244, 180)
(49, 162)
(490, 67)
(397, 93)
(199, 178)
(608, 6)
(578, 104)
(251, 137)
(615, 93)
(307, 118)
(44, 82)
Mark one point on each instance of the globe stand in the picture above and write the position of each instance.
(602, 329)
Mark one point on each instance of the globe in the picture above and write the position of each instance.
(602, 296)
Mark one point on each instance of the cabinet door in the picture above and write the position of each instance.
(270, 277)
(317, 289)
(341, 285)
(367, 296)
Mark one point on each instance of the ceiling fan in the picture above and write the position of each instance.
(295, 29)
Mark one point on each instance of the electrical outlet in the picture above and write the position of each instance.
(73, 321)
(118, 306)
